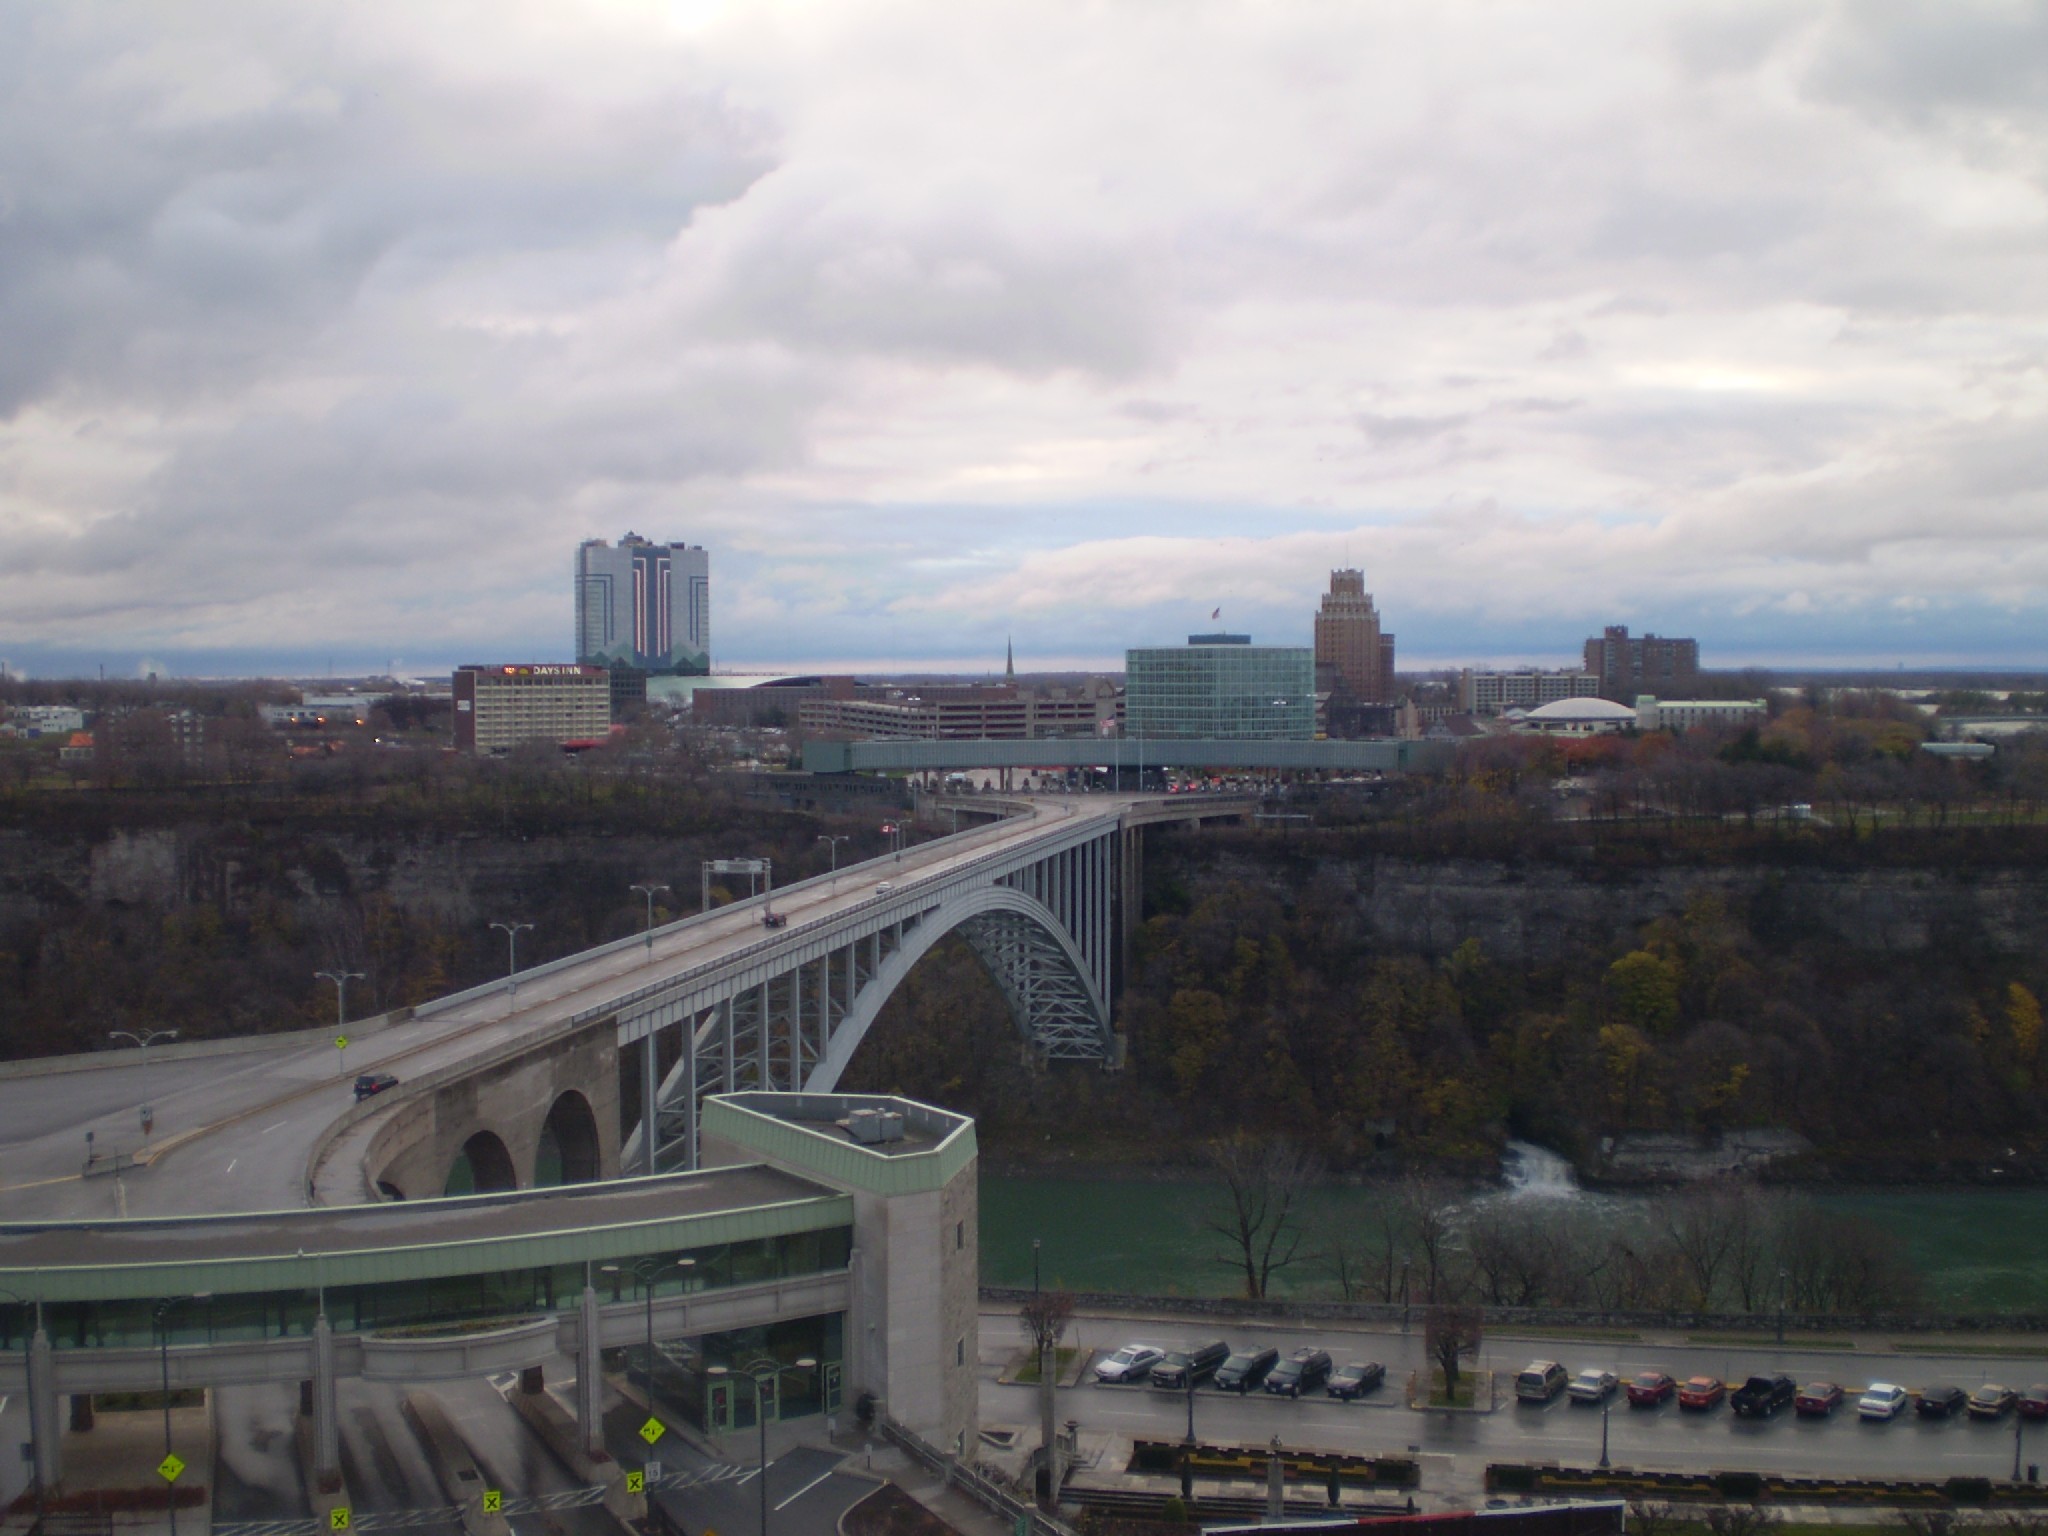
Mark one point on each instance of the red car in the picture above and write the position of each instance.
(1817, 1399)
(2033, 1402)
(1650, 1388)
(1701, 1392)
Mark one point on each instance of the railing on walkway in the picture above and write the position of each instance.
(990, 1494)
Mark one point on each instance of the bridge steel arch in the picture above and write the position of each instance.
(789, 1014)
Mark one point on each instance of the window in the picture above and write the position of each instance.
(960, 1350)
(959, 1235)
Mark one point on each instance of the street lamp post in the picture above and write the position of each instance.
(1187, 1449)
(760, 1373)
(1605, 1404)
(143, 1041)
(1781, 1308)
(512, 932)
(2019, 1425)
(341, 979)
(35, 1430)
(648, 891)
(163, 1328)
(834, 839)
(646, 1271)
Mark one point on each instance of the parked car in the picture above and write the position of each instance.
(1761, 1396)
(1540, 1381)
(1303, 1371)
(1593, 1386)
(1701, 1391)
(2033, 1402)
(1991, 1401)
(1183, 1366)
(1940, 1402)
(1246, 1369)
(370, 1084)
(1817, 1399)
(1646, 1389)
(1132, 1363)
(1882, 1400)
(1356, 1379)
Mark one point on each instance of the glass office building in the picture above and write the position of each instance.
(1221, 688)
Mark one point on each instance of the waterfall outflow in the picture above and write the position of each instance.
(1537, 1173)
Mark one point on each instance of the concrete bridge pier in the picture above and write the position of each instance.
(589, 1378)
(46, 1435)
(326, 1429)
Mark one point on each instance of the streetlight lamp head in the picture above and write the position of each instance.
(806, 1363)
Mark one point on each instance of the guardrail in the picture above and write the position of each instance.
(984, 1490)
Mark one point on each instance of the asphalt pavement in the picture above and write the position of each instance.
(1663, 1438)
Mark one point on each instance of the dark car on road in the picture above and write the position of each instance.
(1940, 1402)
(1246, 1369)
(1182, 1366)
(1356, 1379)
(1302, 1371)
(2034, 1402)
(370, 1084)
(1761, 1396)
(1646, 1389)
(1817, 1399)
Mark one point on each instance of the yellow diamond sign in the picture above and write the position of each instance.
(170, 1468)
(653, 1430)
(341, 1042)
(636, 1482)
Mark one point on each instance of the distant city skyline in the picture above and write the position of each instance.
(339, 327)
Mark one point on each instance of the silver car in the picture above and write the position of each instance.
(1131, 1364)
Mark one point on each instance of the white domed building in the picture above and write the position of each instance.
(1578, 717)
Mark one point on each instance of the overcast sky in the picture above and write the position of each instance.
(329, 329)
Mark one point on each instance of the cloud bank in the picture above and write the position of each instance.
(333, 328)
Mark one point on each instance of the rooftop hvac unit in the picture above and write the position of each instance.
(871, 1127)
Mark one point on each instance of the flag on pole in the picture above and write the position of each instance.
(1217, 614)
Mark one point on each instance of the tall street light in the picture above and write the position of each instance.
(835, 839)
(35, 1430)
(648, 891)
(143, 1039)
(341, 979)
(512, 932)
(646, 1271)
(163, 1328)
(760, 1373)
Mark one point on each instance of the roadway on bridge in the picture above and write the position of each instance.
(238, 1130)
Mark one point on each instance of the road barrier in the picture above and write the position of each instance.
(1163, 1456)
(1759, 1487)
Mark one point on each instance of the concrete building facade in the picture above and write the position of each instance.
(1220, 688)
(1488, 693)
(501, 707)
(1359, 657)
(1654, 714)
(644, 605)
(1628, 666)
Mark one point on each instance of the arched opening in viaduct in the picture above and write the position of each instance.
(483, 1166)
(568, 1152)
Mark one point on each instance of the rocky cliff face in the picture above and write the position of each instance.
(1537, 914)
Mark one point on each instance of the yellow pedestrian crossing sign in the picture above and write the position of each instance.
(636, 1482)
(337, 1518)
(653, 1430)
(494, 1501)
(170, 1468)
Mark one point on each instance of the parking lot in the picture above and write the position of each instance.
(1661, 1438)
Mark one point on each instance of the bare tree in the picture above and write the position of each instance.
(1699, 1225)
(1742, 1520)
(1429, 1206)
(1264, 1179)
(1044, 1318)
(1935, 1522)
(1452, 1333)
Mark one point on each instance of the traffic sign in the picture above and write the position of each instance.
(337, 1518)
(494, 1501)
(170, 1468)
(341, 1042)
(636, 1482)
(652, 1471)
(653, 1430)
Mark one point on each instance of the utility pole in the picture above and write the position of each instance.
(512, 932)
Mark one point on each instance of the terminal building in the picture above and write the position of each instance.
(1220, 688)
(828, 1250)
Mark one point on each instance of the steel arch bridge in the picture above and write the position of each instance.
(1043, 916)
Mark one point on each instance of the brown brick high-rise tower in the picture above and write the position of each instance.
(1349, 643)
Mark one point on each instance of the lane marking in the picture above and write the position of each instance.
(752, 1472)
(807, 1487)
(269, 1128)
(231, 1163)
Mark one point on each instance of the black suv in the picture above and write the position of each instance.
(1761, 1396)
(1302, 1371)
(370, 1084)
(1184, 1366)
(1356, 1379)
(1246, 1369)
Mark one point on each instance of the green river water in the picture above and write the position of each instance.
(1977, 1250)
